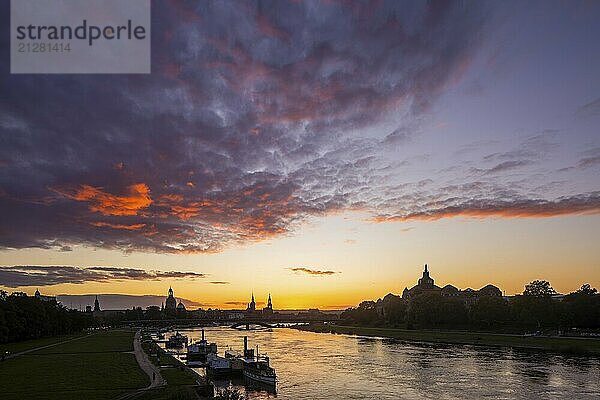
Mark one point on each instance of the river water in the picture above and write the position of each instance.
(326, 366)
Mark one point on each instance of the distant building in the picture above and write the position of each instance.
(251, 309)
(426, 284)
(268, 310)
(180, 306)
(96, 305)
(97, 312)
(235, 315)
(40, 296)
(170, 303)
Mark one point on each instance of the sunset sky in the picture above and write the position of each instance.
(318, 151)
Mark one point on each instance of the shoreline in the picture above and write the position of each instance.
(572, 345)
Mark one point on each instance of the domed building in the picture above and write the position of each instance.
(426, 284)
(180, 306)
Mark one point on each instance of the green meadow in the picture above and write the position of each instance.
(99, 366)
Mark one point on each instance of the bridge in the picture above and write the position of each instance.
(247, 324)
(236, 323)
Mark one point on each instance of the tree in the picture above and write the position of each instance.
(535, 311)
(24, 317)
(364, 314)
(587, 290)
(153, 312)
(582, 308)
(394, 309)
(489, 311)
(539, 288)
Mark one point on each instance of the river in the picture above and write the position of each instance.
(326, 366)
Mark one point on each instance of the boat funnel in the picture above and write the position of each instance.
(202, 333)
(245, 344)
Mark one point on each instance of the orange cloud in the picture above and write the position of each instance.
(517, 209)
(132, 227)
(136, 198)
(313, 272)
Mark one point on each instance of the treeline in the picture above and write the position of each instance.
(535, 309)
(24, 317)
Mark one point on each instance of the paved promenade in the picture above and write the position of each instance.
(150, 369)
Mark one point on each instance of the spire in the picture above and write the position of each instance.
(426, 268)
(253, 296)
(96, 304)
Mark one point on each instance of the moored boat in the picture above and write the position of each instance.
(216, 364)
(256, 367)
(176, 341)
(199, 350)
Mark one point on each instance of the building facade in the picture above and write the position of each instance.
(426, 284)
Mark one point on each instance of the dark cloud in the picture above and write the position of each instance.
(219, 282)
(498, 207)
(313, 272)
(243, 303)
(257, 115)
(252, 120)
(507, 165)
(31, 275)
(236, 303)
(589, 162)
(590, 109)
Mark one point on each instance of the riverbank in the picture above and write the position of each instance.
(181, 382)
(558, 344)
(95, 367)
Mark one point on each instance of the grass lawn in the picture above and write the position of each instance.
(32, 344)
(74, 371)
(103, 341)
(177, 377)
(563, 344)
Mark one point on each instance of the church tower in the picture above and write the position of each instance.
(96, 305)
(170, 303)
(268, 310)
(252, 304)
(426, 281)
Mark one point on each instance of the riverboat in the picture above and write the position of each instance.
(217, 365)
(199, 350)
(256, 367)
(176, 341)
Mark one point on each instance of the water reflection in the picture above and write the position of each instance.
(324, 366)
